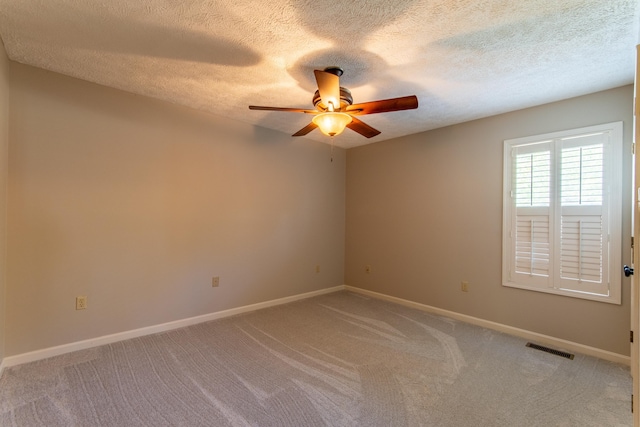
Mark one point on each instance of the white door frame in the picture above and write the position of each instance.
(635, 292)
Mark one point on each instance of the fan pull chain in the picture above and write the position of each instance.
(331, 148)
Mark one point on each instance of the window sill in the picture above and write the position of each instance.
(610, 299)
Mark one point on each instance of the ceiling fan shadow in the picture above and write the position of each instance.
(548, 30)
(135, 36)
(349, 20)
(164, 42)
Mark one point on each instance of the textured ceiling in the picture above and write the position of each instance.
(464, 59)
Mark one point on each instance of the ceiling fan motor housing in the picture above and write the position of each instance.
(338, 71)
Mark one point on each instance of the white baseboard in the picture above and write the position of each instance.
(121, 336)
(108, 339)
(522, 333)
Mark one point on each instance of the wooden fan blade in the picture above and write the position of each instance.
(305, 130)
(329, 88)
(362, 128)
(384, 105)
(292, 110)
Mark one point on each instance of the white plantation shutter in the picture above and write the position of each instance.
(583, 233)
(562, 212)
(532, 222)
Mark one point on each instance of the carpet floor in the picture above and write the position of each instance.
(339, 359)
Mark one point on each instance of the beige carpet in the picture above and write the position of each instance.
(338, 360)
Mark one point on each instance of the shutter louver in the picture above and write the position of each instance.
(582, 174)
(533, 175)
(532, 245)
(581, 248)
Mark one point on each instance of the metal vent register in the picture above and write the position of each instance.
(551, 350)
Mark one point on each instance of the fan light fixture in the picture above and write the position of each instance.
(332, 123)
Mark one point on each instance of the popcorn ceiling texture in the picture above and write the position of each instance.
(464, 59)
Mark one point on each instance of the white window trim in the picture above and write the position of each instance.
(614, 192)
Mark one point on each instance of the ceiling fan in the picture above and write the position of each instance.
(335, 109)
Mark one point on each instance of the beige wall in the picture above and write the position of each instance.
(425, 211)
(4, 143)
(137, 204)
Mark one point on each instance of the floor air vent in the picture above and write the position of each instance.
(550, 350)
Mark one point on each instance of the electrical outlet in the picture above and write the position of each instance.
(464, 286)
(367, 269)
(81, 303)
(317, 268)
(215, 282)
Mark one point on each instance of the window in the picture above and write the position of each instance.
(562, 213)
